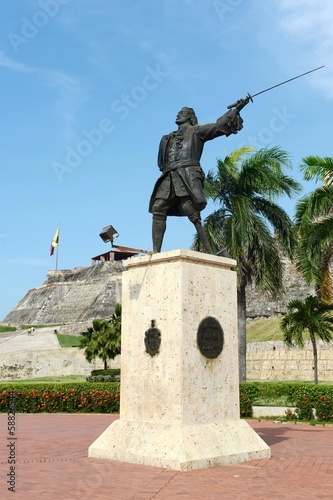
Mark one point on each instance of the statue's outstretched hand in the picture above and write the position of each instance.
(234, 120)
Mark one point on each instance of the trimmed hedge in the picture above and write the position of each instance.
(110, 371)
(103, 378)
(293, 391)
(104, 397)
(109, 375)
(63, 398)
(312, 391)
(88, 397)
(250, 389)
(245, 405)
(304, 396)
(324, 408)
(304, 408)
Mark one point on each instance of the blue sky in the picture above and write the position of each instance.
(88, 87)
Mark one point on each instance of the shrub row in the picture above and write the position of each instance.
(323, 407)
(110, 371)
(103, 397)
(66, 398)
(293, 391)
(312, 391)
(304, 396)
(103, 378)
(245, 405)
(70, 398)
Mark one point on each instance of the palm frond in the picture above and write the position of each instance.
(244, 186)
(318, 168)
(237, 156)
(317, 204)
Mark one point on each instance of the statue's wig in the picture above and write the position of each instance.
(191, 114)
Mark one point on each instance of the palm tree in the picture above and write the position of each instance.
(246, 186)
(90, 340)
(314, 220)
(103, 339)
(112, 336)
(310, 316)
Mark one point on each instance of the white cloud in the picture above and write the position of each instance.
(71, 94)
(308, 25)
(6, 62)
(307, 19)
(70, 91)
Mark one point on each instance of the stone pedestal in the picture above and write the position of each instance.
(179, 406)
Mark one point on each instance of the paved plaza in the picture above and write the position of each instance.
(52, 463)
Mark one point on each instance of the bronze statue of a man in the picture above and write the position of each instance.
(179, 190)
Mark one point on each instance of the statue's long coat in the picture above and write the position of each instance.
(179, 160)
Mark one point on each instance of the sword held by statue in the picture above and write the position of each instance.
(238, 105)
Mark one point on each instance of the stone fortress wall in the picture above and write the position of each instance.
(274, 361)
(49, 363)
(71, 296)
(259, 305)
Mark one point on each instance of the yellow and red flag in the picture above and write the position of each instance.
(55, 241)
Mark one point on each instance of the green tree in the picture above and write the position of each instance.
(246, 186)
(103, 338)
(314, 220)
(113, 336)
(310, 316)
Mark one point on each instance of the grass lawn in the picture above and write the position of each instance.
(5, 329)
(274, 401)
(69, 340)
(53, 380)
(264, 329)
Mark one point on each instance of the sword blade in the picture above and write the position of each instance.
(286, 81)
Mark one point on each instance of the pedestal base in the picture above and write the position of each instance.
(182, 447)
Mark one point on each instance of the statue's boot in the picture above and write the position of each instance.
(203, 237)
(159, 226)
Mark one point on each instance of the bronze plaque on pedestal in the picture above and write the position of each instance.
(210, 337)
(152, 339)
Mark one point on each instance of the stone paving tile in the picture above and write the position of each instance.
(52, 463)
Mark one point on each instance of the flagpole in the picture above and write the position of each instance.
(57, 248)
(57, 259)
